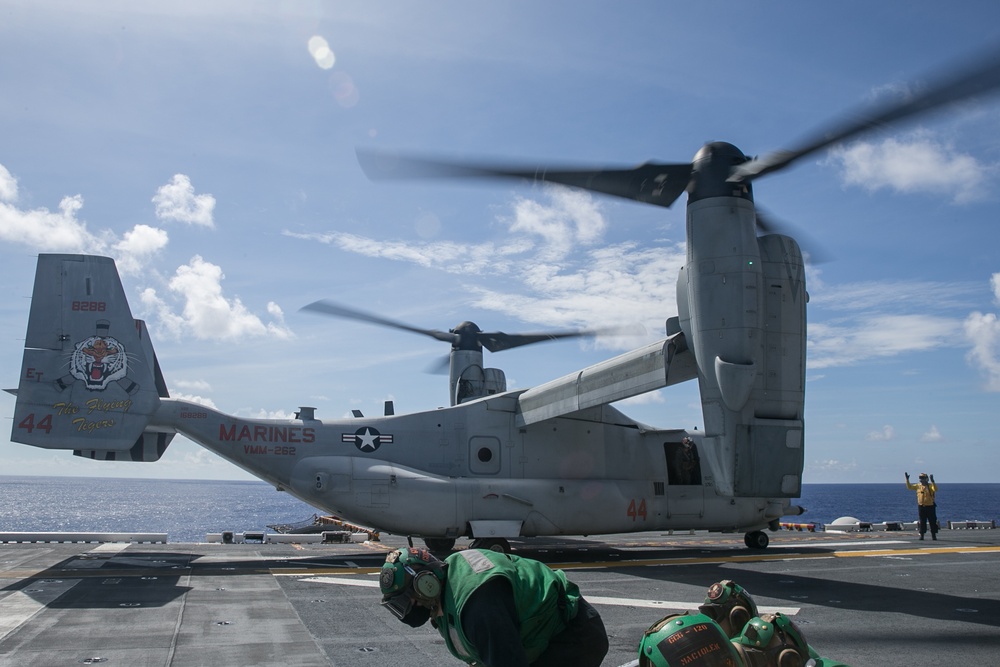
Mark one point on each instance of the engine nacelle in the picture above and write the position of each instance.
(741, 303)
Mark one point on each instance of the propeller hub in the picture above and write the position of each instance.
(712, 166)
(468, 337)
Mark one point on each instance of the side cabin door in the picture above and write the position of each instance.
(685, 485)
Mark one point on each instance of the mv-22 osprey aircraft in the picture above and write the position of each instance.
(556, 459)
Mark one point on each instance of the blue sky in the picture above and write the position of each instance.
(210, 148)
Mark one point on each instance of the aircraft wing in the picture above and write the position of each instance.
(661, 364)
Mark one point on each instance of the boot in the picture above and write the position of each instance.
(921, 536)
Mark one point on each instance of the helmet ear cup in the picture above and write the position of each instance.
(741, 651)
(789, 658)
(738, 617)
(426, 585)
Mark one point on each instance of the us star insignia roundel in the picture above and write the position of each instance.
(366, 439)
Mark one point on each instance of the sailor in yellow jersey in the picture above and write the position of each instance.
(926, 506)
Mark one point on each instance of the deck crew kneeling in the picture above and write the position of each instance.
(494, 609)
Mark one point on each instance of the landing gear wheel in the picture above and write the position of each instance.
(498, 544)
(757, 539)
(439, 545)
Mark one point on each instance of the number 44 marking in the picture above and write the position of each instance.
(634, 511)
(29, 423)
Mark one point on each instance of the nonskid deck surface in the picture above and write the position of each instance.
(865, 599)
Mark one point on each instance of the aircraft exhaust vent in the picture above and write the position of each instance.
(306, 414)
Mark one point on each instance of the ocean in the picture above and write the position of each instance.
(188, 510)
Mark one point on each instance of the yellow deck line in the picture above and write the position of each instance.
(216, 568)
(746, 558)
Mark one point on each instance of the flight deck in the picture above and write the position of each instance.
(880, 598)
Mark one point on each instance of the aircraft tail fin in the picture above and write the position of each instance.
(90, 381)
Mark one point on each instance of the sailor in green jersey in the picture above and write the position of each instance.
(727, 632)
(494, 609)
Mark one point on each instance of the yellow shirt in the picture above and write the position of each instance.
(925, 492)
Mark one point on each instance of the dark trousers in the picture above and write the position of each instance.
(583, 643)
(928, 514)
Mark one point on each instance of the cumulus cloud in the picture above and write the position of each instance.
(136, 247)
(916, 163)
(8, 185)
(884, 435)
(932, 435)
(193, 398)
(177, 201)
(983, 332)
(43, 230)
(206, 313)
(572, 218)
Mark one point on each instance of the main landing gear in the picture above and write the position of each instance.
(442, 546)
(757, 539)
(498, 544)
(439, 546)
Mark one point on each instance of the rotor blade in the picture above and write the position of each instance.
(327, 307)
(499, 341)
(651, 183)
(971, 80)
(439, 367)
(811, 250)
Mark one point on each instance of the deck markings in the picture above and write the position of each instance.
(20, 606)
(667, 605)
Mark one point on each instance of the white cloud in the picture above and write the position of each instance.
(451, 257)
(916, 163)
(45, 230)
(892, 295)
(612, 285)
(137, 246)
(572, 218)
(832, 465)
(862, 338)
(207, 314)
(983, 332)
(177, 201)
(887, 433)
(261, 413)
(932, 435)
(50, 231)
(8, 186)
(192, 385)
(649, 398)
(200, 400)
(566, 277)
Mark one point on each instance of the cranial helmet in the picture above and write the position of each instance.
(730, 605)
(772, 639)
(411, 577)
(692, 640)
